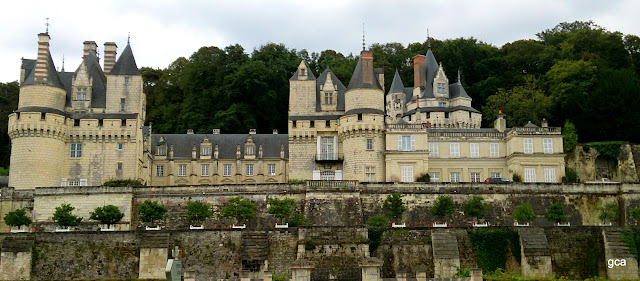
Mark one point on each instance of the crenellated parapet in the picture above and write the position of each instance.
(37, 124)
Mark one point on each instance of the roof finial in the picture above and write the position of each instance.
(459, 75)
(62, 63)
(428, 40)
(363, 44)
(128, 37)
(47, 26)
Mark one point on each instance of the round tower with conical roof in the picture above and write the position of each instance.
(361, 129)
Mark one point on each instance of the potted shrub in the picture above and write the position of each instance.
(475, 208)
(108, 215)
(17, 218)
(523, 215)
(150, 211)
(443, 206)
(555, 213)
(197, 213)
(281, 209)
(65, 218)
(241, 209)
(608, 213)
(394, 208)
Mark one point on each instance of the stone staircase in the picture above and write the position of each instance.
(616, 250)
(535, 252)
(150, 239)
(614, 245)
(255, 249)
(446, 256)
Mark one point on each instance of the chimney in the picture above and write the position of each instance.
(275, 131)
(216, 131)
(252, 131)
(544, 124)
(367, 67)
(500, 124)
(110, 51)
(43, 57)
(89, 45)
(189, 131)
(418, 73)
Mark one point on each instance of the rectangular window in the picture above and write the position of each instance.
(120, 146)
(528, 145)
(160, 171)
(160, 150)
(327, 176)
(454, 150)
(369, 144)
(204, 170)
(206, 151)
(442, 104)
(547, 145)
(496, 175)
(434, 177)
(81, 94)
(293, 124)
(271, 168)
(407, 173)
(407, 143)
(74, 183)
(312, 124)
(226, 170)
(327, 150)
(327, 123)
(122, 104)
(63, 182)
(119, 166)
(474, 150)
(249, 170)
(370, 174)
(529, 175)
(126, 80)
(359, 116)
(549, 175)
(182, 170)
(251, 150)
(441, 88)
(328, 98)
(76, 150)
(475, 177)
(494, 150)
(433, 150)
(454, 177)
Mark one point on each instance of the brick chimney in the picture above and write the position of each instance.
(189, 131)
(367, 67)
(252, 131)
(275, 131)
(418, 73)
(89, 45)
(216, 131)
(43, 57)
(110, 51)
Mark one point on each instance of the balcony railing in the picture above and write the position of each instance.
(332, 183)
(496, 135)
(536, 131)
(407, 126)
(328, 157)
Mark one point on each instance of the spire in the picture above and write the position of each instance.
(363, 42)
(47, 26)
(128, 37)
(126, 64)
(428, 40)
(396, 84)
(62, 63)
(459, 76)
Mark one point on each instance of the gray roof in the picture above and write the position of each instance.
(457, 91)
(310, 75)
(396, 84)
(364, 110)
(66, 78)
(52, 74)
(441, 109)
(314, 117)
(341, 89)
(102, 116)
(530, 125)
(126, 64)
(430, 67)
(99, 87)
(227, 143)
(357, 78)
(40, 109)
(408, 91)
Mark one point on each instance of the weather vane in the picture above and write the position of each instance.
(47, 26)
(128, 37)
(363, 44)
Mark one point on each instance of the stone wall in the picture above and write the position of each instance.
(588, 163)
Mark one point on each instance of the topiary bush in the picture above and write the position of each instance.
(108, 215)
(17, 218)
(197, 212)
(424, 178)
(475, 207)
(239, 208)
(150, 211)
(122, 182)
(393, 206)
(524, 213)
(443, 206)
(555, 213)
(281, 208)
(64, 216)
(517, 178)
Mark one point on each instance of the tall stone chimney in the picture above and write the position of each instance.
(367, 67)
(110, 51)
(43, 57)
(500, 124)
(89, 45)
(418, 73)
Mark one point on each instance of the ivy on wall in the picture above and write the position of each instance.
(631, 237)
(608, 149)
(491, 247)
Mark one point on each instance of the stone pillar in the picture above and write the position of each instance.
(476, 274)
(267, 276)
(154, 255)
(189, 276)
(15, 259)
(301, 270)
(535, 253)
(401, 276)
(421, 275)
(371, 269)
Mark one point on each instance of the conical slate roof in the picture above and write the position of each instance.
(340, 89)
(396, 84)
(431, 68)
(126, 64)
(52, 74)
(357, 80)
(457, 91)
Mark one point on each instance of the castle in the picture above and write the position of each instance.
(85, 127)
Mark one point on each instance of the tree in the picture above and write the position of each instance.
(298, 219)
(376, 226)
(424, 178)
(239, 208)
(555, 213)
(517, 178)
(524, 213)
(443, 206)
(475, 207)
(394, 206)
(150, 211)
(197, 211)
(521, 104)
(17, 218)
(609, 212)
(635, 213)
(570, 176)
(569, 136)
(281, 208)
(108, 215)
(64, 217)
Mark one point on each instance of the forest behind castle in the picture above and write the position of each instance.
(577, 72)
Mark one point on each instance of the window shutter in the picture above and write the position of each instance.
(63, 182)
(413, 143)
(83, 182)
(338, 175)
(316, 175)
(399, 142)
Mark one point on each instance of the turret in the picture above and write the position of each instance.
(302, 91)
(396, 99)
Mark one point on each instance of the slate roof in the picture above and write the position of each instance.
(99, 87)
(321, 80)
(530, 125)
(357, 78)
(52, 74)
(310, 75)
(126, 63)
(441, 109)
(364, 110)
(314, 117)
(227, 143)
(396, 84)
(457, 91)
(430, 68)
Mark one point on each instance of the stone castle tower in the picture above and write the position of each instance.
(77, 128)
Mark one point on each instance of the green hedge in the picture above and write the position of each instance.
(609, 149)
(491, 247)
(122, 182)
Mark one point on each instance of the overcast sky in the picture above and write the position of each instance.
(163, 30)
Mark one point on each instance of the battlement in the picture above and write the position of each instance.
(40, 124)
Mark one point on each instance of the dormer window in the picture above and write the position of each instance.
(251, 150)
(303, 72)
(160, 150)
(328, 98)
(441, 88)
(206, 151)
(81, 93)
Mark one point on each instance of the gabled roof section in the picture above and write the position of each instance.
(357, 79)
(396, 84)
(530, 125)
(126, 64)
(52, 74)
(431, 69)
(309, 73)
(227, 144)
(340, 89)
(457, 91)
(99, 87)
